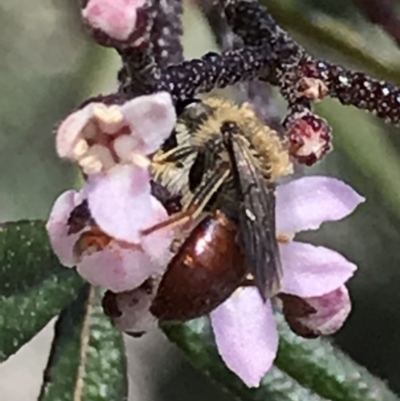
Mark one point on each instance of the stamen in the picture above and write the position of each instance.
(98, 158)
(109, 119)
(80, 149)
(90, 165)
(99, 110)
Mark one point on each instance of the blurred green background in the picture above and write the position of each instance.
(49, 65)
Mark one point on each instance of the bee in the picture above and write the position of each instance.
(224, 165)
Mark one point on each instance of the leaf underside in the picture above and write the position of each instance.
(87, 359)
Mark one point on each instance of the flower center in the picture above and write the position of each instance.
(106, 140)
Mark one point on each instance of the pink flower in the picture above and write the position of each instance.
(99, 228)
(98, 137)
(115, 18)
(244, 327)
(108, 249)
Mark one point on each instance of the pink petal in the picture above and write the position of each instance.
(310, 271)
(57, 228)
(152, 118)
(120, 201)
(305, 203)
(157, 244)
(117, 269)
(246, 335)
(116, 18)
(69, 131)
(316, 316)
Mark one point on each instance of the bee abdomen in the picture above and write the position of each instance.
(208, 267)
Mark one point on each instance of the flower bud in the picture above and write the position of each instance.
(309, 138)
(115, 23)
(317, 316)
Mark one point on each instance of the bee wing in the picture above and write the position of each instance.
(257, 218)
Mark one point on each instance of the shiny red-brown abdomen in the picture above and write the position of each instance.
(208, 267)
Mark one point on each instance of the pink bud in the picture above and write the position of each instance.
(316, 316)
(112, 20)
(309, 139)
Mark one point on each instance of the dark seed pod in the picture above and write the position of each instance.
(208, 267)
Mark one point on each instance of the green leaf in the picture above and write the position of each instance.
(316, 364)
(305, 369)
(26, 256)
(87, 358)
(33, 285)
(195, 339)
(23, 315)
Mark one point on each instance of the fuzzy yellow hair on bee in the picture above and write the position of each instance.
(212, 113)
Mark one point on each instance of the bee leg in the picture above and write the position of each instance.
(174, 155)
(212, 182)
(176, 220)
